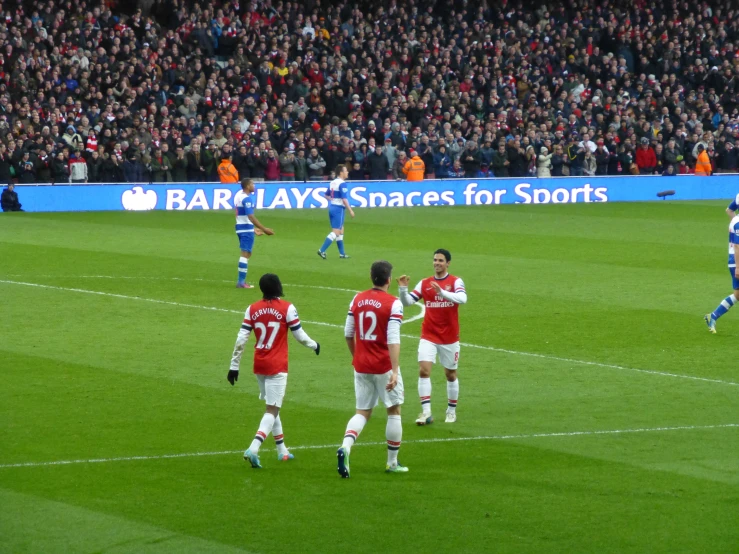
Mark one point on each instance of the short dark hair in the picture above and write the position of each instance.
(270, 285)
(340, 168)
(380, 273)
(447, 255)
(245, 182)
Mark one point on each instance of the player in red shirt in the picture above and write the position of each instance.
(270, 319)
(442, 294)
(372, 333)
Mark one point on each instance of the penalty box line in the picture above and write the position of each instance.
(409, 320)
(375, 443)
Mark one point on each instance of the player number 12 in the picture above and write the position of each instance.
(370, 333)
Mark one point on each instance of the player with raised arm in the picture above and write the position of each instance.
(338, 204)
(442, 293)
(270, 318)
(372, 332)
(730, 300)
(247, 225)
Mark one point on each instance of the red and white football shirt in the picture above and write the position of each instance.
(270, 320)
(441, 322)
(373, 310)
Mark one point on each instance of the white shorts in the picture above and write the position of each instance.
(272, 388)
(370, 388)
(448, 353)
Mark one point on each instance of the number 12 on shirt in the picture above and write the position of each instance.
(367, 325)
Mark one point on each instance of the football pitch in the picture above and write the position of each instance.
(596, 413)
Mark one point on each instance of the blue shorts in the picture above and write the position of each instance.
(734, 280)
(336, 216)
(246, 241)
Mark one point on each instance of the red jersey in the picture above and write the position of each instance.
(270, 320)
(370, 314)
(441, 322)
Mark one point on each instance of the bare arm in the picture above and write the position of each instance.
(348, 207)
(258, 225)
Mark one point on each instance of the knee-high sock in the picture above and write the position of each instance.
(424, 391)
(265, 428)
(329, 239)
(393, 434)
(243, 268)
(452, 393)
(353, 428)
(724, 307)
(340, 244)
(279, 437)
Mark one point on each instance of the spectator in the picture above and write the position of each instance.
(272, 170)
(544, 163)
(316, 165)
(646, 159)
(195, 169)
(501, 162)
(287, 164)
(470, 158)
(77, 168)
(589, 164)
(397, 170)
(672, 155)
(179, 165)
(94, 167)
(9, 199)
(703, 165)
(133, 170)
(391, 153)
(161, 172)
(378, 165)
(301, 167)
(559, 168)
(457, 171)
(60, 168)
(442, 163)
(26, 171)
(414, 169)
(357, 173)
(602, 159)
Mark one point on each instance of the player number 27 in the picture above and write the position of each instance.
(369, 333)
(262, 334)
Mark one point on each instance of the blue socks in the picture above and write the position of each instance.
(724, 307)
(329, 239)
(243, 268)
(340, 244)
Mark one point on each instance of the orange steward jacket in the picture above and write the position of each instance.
(227, 172)
(414, 168)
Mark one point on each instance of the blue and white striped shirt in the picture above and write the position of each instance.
(244, 204)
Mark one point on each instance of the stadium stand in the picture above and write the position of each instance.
(129, 89)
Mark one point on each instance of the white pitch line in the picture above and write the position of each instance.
(320, 287)
(414, 318)
(418, 441)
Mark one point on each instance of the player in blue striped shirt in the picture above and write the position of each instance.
(245, 201)
(338, 203)
(730, 300)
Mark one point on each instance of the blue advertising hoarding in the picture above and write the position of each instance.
(433, 192)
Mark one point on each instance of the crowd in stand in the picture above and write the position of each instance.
(163, 90)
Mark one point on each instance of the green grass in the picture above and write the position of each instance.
(88, 376)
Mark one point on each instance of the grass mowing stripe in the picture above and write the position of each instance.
(409, 320)
(378, 443)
